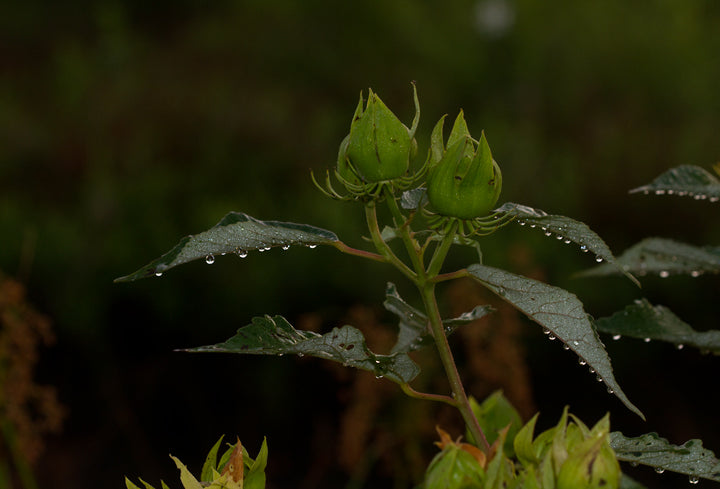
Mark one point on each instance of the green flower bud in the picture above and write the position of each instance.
(465, 182)
(379, 146)
(591, 464)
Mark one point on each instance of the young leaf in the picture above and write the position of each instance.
(256, 476)
(559, 312)
(663, 257)
(275, 336)
(643, 320)
(235, 233)
(188, 480)
(494, 414)
(683, 180)
(413, 331)
(206, 475)
(650, 449)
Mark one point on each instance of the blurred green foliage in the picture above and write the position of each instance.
(126, 125)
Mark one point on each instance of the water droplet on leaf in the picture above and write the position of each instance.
(659, 470)
(158, 274)
(694, 479)
(664, 274)
(551, 337)
(695, 273)
(680, 346)
(567, 241)
(210, 259)
(582, 361)
(646, 340)
(598, 259)
(242, 253)
(617, 337)
(286, 247)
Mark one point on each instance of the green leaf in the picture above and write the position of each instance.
(643, 320)
(210, 464)
(561, 228)
(255, 478)
(494, 414)
(559, 312)
(236, 233)
(413, 331)
(650, 449)
(275, 336)
(128, 484)
(685, 180)
(188, 480)
(663, 257)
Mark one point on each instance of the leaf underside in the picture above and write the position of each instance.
(275, 336)
(650, 449)
(685, 180)
(559, 312)
(235, 233)
(643, 320)
(664, 257)
(413, 332)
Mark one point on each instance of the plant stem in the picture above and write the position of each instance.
(402, 225)
(381, 245)
(429, 397)
(461, 400)
(361, 253)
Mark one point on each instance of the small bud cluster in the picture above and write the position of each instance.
(460, 177)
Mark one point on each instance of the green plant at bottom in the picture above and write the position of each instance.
(448, 200)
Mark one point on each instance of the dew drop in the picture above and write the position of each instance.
(576, 343)
(592, 370)
(598, 378)
(546, 331)
(558, 237)
(617, 337)
(646, 340)
(584, 248)
(377, 362)
(598, 259)
(680, 346)
(158, 274)
(659, 192)
(700, 197)
(695, 273)
(286, 247)
(646, 192)
(566, 347)
(567, 241)
(664, 274)
(262, 248)
(378, 376)
(242, 253)
(533, 225)
(552, 337)
(210, 259)
(301, 355)
(522, 223)
(694, 479)
(659, 470)
(312, 246)
(582, 361)
(548, 233)
(714, 199)
(670, 192)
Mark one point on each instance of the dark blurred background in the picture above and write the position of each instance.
(126, 125)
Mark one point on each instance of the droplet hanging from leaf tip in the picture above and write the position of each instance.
(659, 470)
(694, 479)
(158, 274)
(210, 259)
(616, 337)
(312, 246)
(664, 274)
(286, 247)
